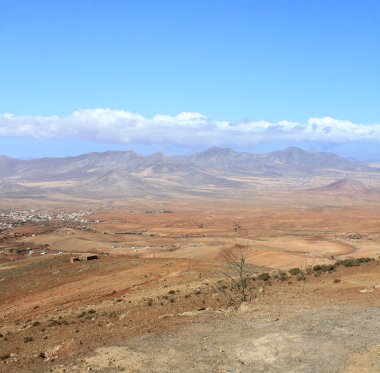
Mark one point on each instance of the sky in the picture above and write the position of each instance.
(179, 76)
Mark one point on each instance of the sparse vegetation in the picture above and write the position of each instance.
(264, 276)
(298, 273)
(295, 271)
(58, 322)
(301, 276)
(323, 268)
(149, 301)
(353, 262)
(281, 276)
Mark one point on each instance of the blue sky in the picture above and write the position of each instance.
(235, 61)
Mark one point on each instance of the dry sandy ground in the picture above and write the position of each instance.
(293, 339)
(318, 327)
(277, 237)
(154, 304)
(159, 315)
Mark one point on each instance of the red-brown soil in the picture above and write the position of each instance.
(53, 311)
(157, 274)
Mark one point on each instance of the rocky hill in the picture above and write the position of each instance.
(128, 173)
(345, 186)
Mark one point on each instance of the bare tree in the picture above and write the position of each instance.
(236, 272)
(237, 267)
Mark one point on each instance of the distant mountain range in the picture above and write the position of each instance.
(128, 173)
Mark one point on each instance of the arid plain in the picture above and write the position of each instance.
(159, 298)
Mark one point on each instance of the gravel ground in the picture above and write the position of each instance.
(293, 339)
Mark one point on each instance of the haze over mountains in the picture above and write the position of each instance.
(347, 187)
(120, 173)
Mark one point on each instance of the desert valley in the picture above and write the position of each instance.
(160, 295)
(189, 186)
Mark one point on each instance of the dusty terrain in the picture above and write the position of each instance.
(158, 299)
(158, 315)
(277, 236)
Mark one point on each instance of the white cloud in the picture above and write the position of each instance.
(190, 130)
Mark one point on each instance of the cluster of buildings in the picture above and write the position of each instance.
(17, 218)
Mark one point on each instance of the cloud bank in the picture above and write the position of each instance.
(186, 130)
